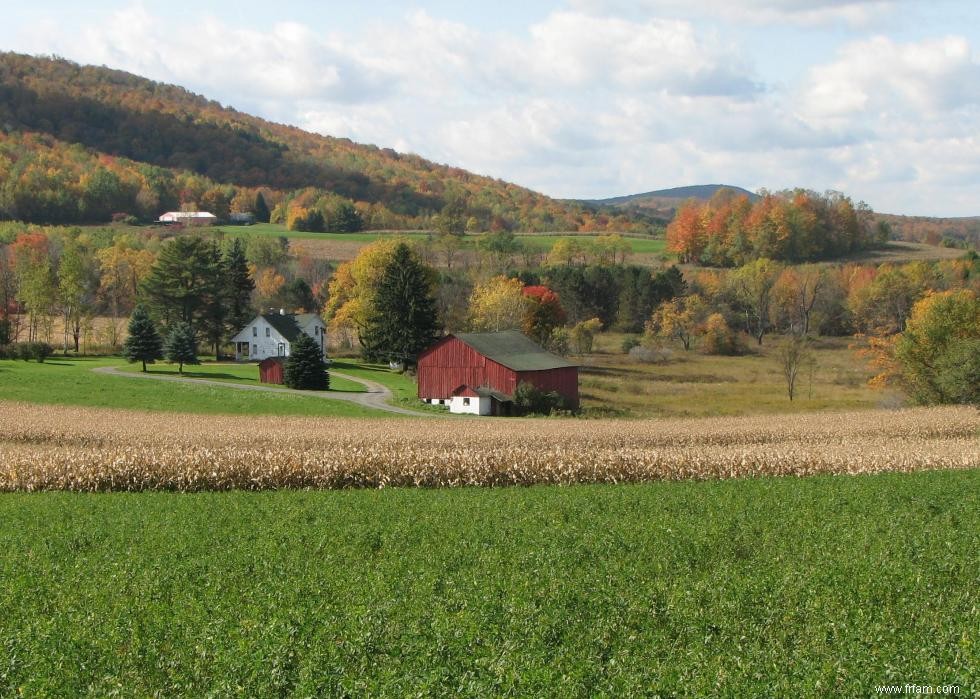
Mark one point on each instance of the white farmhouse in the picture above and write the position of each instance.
(270, 334)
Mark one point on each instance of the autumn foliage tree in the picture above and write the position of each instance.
(795, 226)
(678, 319)
(937, 357)
(543, 313)
(498, 304)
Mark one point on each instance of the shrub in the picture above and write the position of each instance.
(629, 343)
(558, 342)
(38, 351)
(651, 355)
(719, 338)
(4, 331)
(531, 400)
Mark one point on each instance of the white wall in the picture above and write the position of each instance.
(259, 346)
(477, 406)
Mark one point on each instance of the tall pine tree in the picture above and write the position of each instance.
(239, 285)
(214, 320)
(181, 346)
(403, 321)
(143, 343)
(261, 210)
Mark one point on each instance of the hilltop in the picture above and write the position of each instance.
(81, 143)
(667, 200)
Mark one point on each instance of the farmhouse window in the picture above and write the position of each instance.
(282, 349)
(255, 349)
(466, 401)
(268, 332)
(255, 332)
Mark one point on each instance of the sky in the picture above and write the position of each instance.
(879, 99)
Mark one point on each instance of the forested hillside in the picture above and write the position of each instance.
(81, 143)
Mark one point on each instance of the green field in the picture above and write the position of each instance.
(71, 381)
(246, 374)
(276, 229)
(539, 242)
(767, 587)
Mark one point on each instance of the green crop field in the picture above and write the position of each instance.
(537, 242)
(71, 381)
(825, 586)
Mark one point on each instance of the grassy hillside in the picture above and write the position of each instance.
(65, 381)
(114, 135)
(759, 587)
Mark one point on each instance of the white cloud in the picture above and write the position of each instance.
(807, 13)
(880, 77)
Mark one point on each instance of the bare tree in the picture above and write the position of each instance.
(794, 355)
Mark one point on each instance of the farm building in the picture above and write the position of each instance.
(270, 334)
(479, 372)
(190, 218)
(245, 218)
(272, 370)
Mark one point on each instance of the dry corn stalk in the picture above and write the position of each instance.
(83, 449)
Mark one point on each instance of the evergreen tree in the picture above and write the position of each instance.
(143, 343)
(181, 346)
(305, 368)
(239, 285)
(214, 321)
(345, 218)
(261, 210)
(403, 320)
(184, 280)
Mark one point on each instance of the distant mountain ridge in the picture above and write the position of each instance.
(669, 198)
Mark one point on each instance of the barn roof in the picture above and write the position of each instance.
(514, 350)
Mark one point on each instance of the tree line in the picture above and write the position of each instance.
(391, 300)
(797, 226)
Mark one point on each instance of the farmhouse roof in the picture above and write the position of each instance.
(514, 350)
(285, 325)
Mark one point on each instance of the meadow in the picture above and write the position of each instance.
(71, 381)
(246, 374)
(758, 587)
(692, 384)
(345, 246)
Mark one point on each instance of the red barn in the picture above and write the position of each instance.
(271, 370)
(497, 362)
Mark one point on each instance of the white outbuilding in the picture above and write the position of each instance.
(271, 334)
(189, 218)
(467, 400)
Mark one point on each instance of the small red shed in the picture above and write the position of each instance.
(271, 370)
(498, 361)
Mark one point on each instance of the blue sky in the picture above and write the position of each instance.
(584, 98)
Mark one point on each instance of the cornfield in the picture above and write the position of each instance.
(82, 449)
